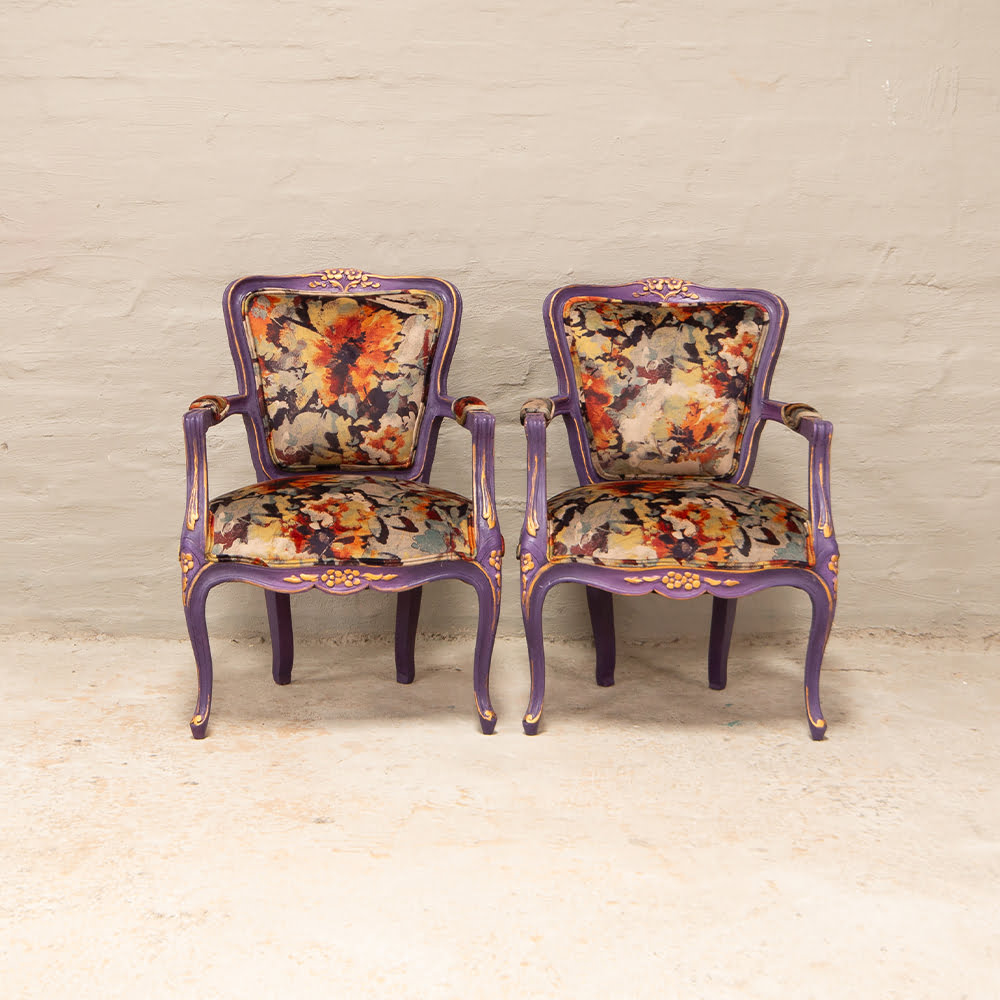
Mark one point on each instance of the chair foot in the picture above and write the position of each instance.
(488, 723)
(199, 726)
(531, 725)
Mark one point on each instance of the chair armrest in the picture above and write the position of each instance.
(804, 420)
(471, 412)
(204, 412)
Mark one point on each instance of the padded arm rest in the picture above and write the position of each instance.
(546, 407)
(461, 407)
(219, 405)
(792, 414)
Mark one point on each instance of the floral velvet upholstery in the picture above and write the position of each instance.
(318, 519)
(342, 378)
(663, 387)
(677, 522)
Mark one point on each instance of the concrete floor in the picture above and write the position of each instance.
(349, 837)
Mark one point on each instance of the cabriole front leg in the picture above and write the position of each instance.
(532, 613)
(194, 612)
(489, 607)
(822, 621)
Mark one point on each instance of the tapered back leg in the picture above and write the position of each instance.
(723, 616)
(279, 619)
(407, 614)
(602, 619)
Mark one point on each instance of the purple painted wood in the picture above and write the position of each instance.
(538, 574)
(200, 573)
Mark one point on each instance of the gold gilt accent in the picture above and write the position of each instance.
(532, 522)
(495, 559)
(676, 581)
(347, 577)
(666, 288)
(718, 583)
(192, 511)
(344, 279)
(187, 564)
(834, 567)
(819, 723)
(532, 719)
(197, 720)
(824, 518)
(527, 565)
(488, 514)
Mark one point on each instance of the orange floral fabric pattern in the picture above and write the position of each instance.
(313, 520)
(342, 378)
(677, 522)
(664, 388)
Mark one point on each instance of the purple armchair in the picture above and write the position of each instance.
(342, 388)
(663, 387)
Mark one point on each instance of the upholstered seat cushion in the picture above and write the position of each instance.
(677, 522)
(322, 519)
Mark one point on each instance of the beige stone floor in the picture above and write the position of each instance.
(349, 837)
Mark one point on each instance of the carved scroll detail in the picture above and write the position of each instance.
(344, 279)
(666, 288)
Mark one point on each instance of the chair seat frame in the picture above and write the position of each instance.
(200, 573)
(539, 572)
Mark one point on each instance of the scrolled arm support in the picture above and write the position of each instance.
(807, 422)
(473, 414)
(204, 412)
(534, 534)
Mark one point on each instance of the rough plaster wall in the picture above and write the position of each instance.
(843, 155)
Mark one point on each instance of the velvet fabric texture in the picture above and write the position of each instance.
(663, 387)
(342, 378)
(322, 519)
(677, 522)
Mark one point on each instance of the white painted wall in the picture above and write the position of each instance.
(843, 155)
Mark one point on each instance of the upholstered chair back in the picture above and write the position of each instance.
(342, 379)
(663, 387)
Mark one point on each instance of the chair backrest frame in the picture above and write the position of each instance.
(341, 283)
(660, 291)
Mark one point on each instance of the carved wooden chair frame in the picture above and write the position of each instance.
(539, 573)
(200, 573)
